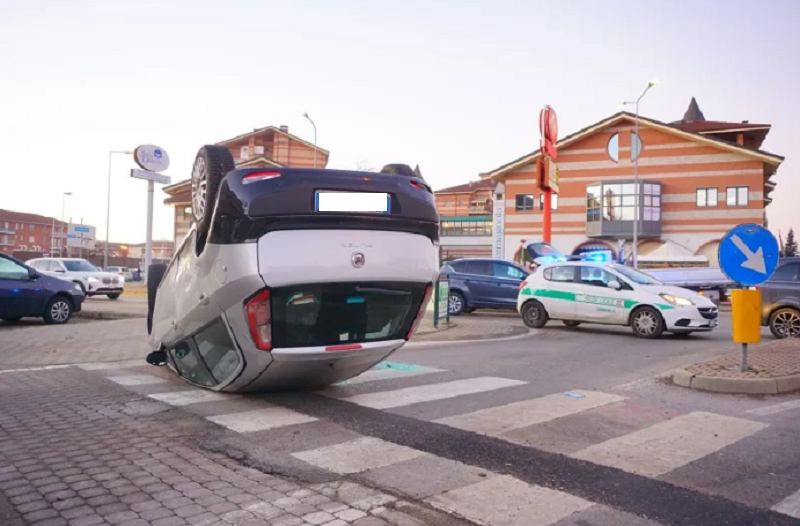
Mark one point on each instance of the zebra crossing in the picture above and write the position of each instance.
(650, 443)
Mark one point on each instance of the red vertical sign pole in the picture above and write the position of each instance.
(547, 217)
(548, 126)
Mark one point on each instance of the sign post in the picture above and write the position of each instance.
(547, 172)
(152, 160)
(441, 306)
(748, 255)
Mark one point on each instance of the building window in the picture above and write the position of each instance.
(465, 228)
(524, 202)
(31, 239)
(636, 146)
(613, 147)
(593, 203)
(33, 228)
(707, 197)
(652, 202)
(737, 195)
(553, 201)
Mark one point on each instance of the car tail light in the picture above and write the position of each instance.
(421, 313)
(259, 317)
(259, 176)
(417, 184)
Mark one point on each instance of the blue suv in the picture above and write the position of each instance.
(483, 283)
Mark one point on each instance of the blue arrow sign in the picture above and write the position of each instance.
(748, 254)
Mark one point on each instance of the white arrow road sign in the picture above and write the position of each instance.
(754, 261)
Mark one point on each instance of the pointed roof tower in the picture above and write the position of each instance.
(693, 113)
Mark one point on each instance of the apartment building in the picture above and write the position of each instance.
(21, 232)
(697, 179)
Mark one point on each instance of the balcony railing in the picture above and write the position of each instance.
(479, 208)
(6, 242)
(4, 230)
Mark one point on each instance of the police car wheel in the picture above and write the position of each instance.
(455, 303)
(210, 166)
(571, 323)
(534, 315)
(647, 323)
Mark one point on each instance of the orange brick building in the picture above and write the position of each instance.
(263, 147)
(466, 219)
(698, 178)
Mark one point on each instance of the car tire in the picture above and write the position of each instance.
(570, 323)
(113, 296)
(785, 323)
(210, 166)
(534, 315)
(400, 169)
(647, 323)
(58, 311)
(155, 273)
(456, 305)
(12, 320)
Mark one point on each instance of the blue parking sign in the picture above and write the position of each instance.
(748, 254)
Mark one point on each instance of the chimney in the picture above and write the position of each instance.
(745, 122)
(284, 128)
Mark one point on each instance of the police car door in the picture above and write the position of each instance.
(595, 300)
(558, 295)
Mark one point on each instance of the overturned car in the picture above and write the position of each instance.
(292, 278)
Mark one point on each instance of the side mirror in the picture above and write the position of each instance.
(614, 285)
(60, 270)
(32, 274)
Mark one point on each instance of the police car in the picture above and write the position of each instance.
(587, 291)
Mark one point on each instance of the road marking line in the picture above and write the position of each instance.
(261, 419)
(507, 501)
(388, 370)
(137, 379)
(358, 455)
(776, 408)
(663, 447)
(495, 421)
(99, 366)
(789, 506)
(193, 396)
(29, 369)
(431, 392)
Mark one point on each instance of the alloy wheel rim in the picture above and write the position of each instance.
(787, 324)
(533, 314)
(59, 311)
(645, 323)
(455, 304)
(199, 188)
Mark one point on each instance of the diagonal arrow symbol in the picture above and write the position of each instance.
(755, 260)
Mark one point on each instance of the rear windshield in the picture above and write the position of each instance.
(339, 313)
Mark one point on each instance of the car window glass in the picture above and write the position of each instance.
(596, 277)
(190, 366)
(12, 270)
(479, 268)
(49, 266)
(217, 350)
(502, 270)
(562, 273)
(79, 265)
(788, 272)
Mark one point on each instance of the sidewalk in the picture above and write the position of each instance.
(773, 367)
(466, 327)
(76, 451)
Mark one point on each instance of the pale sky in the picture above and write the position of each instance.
(455, 86)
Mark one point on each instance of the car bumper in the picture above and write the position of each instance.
(691, 319)
(104, 290)
(77, 302)
(310, 367)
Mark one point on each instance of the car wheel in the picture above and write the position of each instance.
(647, 323)
(16, 318)
(113, 296)
(785, 323)
(534, 315)
(155, 273)
(210, 166)
(456, 304)
(58, 311)
(571, 323)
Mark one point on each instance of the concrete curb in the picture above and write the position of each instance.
(445, 343)
(781, 384)
(108, 315)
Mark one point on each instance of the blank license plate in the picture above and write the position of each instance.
(371, 202)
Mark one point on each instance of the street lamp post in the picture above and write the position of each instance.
(63, 223)
(108, 203)
(637, 208)
(315, 137)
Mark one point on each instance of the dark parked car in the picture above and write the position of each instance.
(24, 293)
(780, 299)
(483, 283)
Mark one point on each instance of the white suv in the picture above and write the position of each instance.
(92, 281)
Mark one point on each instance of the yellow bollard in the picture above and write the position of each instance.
(746, 314)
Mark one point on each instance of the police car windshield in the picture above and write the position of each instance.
(634, 275)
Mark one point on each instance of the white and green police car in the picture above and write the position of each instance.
(578, 292)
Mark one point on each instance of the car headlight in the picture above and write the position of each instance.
(78, 289)
(122, 280)
(677, 300)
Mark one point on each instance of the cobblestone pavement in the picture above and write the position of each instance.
(768, 360)
(74, 451)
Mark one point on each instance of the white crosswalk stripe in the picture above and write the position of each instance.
(102, 366)
(374, 375)
(137, 379)
(192, 396)
(358, 455)
(775, 409)
(431, 392)
(789, 506)
(507, 501)
(663, 447)
(261, 419)
(498, 420)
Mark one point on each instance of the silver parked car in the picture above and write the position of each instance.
(91, 280)
(292, 278)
